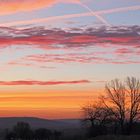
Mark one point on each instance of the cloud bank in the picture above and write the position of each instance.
(122, 35)
(120, 44)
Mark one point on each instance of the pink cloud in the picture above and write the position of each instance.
(124, 51)
(119, 41)
(46, 39)
(85, 58)
(66, 58)
(43, 83)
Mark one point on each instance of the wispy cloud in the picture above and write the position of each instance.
(69, 16)
(124, 51)
(43, 83)
(91, 58)
(10, 7)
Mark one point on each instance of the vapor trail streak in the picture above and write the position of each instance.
(63, 17)
(94, 14)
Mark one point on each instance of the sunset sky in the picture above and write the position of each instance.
(57, 55)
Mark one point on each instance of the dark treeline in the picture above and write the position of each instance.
(23, 131)
(117, 112)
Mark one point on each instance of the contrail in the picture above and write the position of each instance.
(94, 14)
(68, 16)
(121, 9)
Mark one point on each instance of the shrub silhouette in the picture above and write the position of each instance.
(23, 131)
(42, 134)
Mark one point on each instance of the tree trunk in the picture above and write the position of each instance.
(130, 127)
(122, 127)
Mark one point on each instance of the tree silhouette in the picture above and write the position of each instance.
(133, 90)
(57, 135)
(96, 113)
(120, 104)
(42, 134)
(98, 116)
(10, 136)
(116, 101)
(22, 131)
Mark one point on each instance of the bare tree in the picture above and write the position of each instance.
(97, 114)
(116, 101)
(133, 90)
(99, 117)
(121, 103)
(91, 113)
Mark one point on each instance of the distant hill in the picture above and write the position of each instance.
(9, 122)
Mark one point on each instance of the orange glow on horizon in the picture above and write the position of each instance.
(52, 105)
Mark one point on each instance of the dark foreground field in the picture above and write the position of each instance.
(111, 137)
(60, 130)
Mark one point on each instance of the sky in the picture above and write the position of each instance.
(57, 55)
